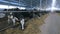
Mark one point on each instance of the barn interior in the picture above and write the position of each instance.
(33, 11)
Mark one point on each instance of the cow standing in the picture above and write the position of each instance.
(12, 18)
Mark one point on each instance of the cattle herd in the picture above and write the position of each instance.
(21, 17)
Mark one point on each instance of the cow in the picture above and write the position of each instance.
(12, 18)
(20, 16)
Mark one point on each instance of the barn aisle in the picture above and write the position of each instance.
(52, 24)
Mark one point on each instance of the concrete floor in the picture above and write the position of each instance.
(52, 24)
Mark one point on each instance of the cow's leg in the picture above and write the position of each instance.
(13, 21)
(8, 21)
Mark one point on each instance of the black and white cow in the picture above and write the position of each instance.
(20, 16)
(12, 18)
